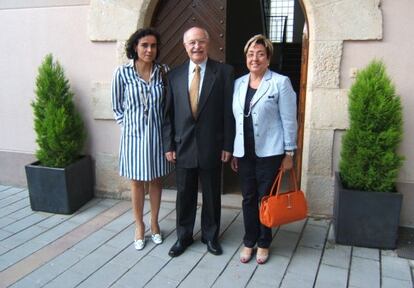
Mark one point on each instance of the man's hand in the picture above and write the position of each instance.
(225, 156)
(170, 155)
(234, 164)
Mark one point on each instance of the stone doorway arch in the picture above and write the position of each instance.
(330, 23)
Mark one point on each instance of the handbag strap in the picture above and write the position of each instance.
(275, 190)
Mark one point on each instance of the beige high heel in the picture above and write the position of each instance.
(261, 258)
(246, 254)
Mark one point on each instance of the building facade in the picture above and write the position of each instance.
(88, 37)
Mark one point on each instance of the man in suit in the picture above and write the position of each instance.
(198, 134)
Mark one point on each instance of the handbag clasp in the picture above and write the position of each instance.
(289, 204)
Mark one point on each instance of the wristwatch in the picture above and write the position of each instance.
(290, 153)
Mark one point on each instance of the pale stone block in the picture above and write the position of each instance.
(344, 19)
(108, 181)
(319, 193)
(111, 20)
(329, 109)
(337, 146)
(324, 64)
(120, 53)
(320, 152)
(101, 101)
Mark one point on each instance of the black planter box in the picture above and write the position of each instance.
(366, 219)
(60, 190)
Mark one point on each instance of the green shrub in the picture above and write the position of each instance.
(369, 159)
(60, 133)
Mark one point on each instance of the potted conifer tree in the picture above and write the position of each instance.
(61, 180)
(367, 205)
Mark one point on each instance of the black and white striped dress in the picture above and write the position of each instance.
(138, 107)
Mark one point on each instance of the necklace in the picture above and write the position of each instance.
(144, 92)
(250, 110)
(249, 95)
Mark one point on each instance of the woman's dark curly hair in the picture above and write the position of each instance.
(134, 39)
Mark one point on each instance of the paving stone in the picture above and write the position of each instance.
(7, 191)
(25, 222)
(161, 282)
(314, 236)
(178, 268)
(210, 266)
(396, 268)
(305, 262)
(53, 220)
(3, 249)
(22, 237)
(364, 273)
(337, 255)
(253, 284)
(51, 270)
(106, 258)
(393, 283)
(6, 220)
(142, 273)
(26, 282)
(92, 242)
(330, 276)
(68, 279)
(292, 280)
(12, 199)
(26, 211)
(14, 207)
(15, 255)
(284, 243)
(3, 188)
(319, 221)
(270, 274)
(236, 274)
(94, 261)
(108, 275)
(3, 235)
(55, 232)
(296, 226)
(368, 253)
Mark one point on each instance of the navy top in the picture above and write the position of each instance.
(248, 125)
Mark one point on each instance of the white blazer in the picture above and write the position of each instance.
(273, 114)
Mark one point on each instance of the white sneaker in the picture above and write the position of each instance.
(156, 238)
(139, 244)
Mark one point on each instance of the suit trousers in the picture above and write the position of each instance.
(256, 178)
(186, 204)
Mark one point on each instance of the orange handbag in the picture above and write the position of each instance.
(281, 208)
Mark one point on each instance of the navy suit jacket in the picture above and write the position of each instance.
(199, 142)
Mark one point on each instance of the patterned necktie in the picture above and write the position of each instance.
(194, 88)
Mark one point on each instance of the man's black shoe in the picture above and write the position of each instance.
(213, 246)
(179, 247)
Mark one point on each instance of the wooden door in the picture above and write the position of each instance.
(172, 18)
(302, 101)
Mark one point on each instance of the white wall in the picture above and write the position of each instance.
(396, 50)
(27, 35)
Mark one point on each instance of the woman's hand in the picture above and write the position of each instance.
(170, 155)
(287, 163)
(234, 164)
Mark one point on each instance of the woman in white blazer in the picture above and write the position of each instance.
(264, 107)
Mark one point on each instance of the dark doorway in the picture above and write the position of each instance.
(230, 24)
(172, 18)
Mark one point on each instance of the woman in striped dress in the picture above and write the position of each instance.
(137, 102)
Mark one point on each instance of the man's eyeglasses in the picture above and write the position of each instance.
(193, 43)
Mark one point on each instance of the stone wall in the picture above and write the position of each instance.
(330, 24)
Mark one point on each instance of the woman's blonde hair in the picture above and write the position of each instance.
(260, 39)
